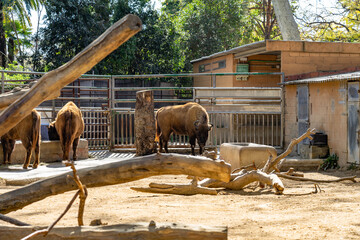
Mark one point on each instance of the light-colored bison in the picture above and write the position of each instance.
(67, 127)
(28, 131)
(189, 119)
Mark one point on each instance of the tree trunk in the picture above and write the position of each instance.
(11, 50)
(115, 173)
(2, 38)
(50, 84)
(144, 123)
(284, 16)
(159, 231)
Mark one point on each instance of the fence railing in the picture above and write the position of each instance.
(251, 114)
(236, 127)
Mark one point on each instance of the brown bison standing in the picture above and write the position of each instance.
(67, 127)
(190, 119)
(28, 131)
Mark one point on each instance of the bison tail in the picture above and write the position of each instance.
(67, 130)
(158, 131)
(36, 129)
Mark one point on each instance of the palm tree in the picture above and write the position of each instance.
(8, 9)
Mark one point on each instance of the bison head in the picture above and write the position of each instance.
(53, 134)
(202, 132)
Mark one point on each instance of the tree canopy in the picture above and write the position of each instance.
(172, 36)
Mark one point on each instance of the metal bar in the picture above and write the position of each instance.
(272, 130)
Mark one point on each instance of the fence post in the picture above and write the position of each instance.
(144, 123)
(2, 82)
(112, 92)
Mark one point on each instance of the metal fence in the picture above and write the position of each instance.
(255, 127)
(238, 114)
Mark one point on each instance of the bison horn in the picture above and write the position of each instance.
(210, 126)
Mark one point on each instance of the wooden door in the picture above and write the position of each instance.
(353, 122)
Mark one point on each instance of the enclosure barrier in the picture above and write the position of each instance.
(238, 114)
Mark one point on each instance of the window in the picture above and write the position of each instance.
(204, 67)
(242, 68)
(219, 64)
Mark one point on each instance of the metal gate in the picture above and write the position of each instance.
(303, 113)
(353, 122)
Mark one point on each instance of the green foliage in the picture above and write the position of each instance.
(71, 25)
(341, 24)
(15, 76)
(330, 163)
(353, 166)
(206, 27)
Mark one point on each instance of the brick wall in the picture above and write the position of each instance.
(211, 65)
(299, 57)
(327, 113)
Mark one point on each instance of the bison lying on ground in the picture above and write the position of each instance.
(190, 119)
(28, 131)
(67, 127)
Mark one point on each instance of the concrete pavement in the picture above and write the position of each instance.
(16, 175)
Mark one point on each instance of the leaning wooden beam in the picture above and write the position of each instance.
(181, 189)
(51, 83)
(303, 179)
(273, 162)
(115, 173)
(159, 231)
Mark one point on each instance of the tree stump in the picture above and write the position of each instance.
(144, 123)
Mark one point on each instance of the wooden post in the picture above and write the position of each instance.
(144, 123)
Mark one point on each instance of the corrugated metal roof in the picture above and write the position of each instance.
(336, 77)
(242, 48)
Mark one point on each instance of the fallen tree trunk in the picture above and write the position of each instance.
(116, 173)
(244, 178)
(51, 83)
(123, 231)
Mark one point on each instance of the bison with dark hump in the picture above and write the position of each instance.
(67, 127)
(28, 131)
(189, 119)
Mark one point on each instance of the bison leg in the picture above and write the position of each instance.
(192, 144)
(37, 154)
(8, 147)
(163, 142)
(4, 146)
(201, 149)
(75, 144)
(166, 146)
(160, 144)
(28, 157)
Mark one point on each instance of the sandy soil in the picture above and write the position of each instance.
(249, 214)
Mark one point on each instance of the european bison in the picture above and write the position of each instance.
(190, 119)
(28, 131)
(67, 127)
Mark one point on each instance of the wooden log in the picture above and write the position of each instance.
(51, 83)
(303, 179)
(159, 231)
(244, 179)
(180, 189)
(273, 162)
(115, 173)
(144, 123)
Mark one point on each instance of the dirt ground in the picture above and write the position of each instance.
(248, 214)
